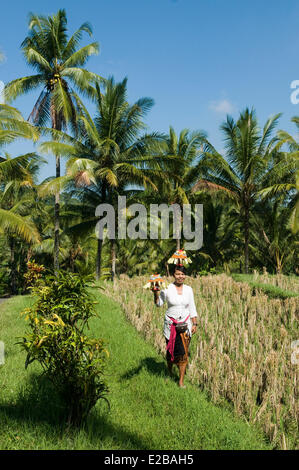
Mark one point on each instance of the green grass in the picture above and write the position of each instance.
(148, 410)
(268, 289)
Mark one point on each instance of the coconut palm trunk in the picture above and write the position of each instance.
(100, 242)
(113, 259)
(56, 124)
(56, 221)
(98, 259)
(246, 238)
(279, 263)
(179, 229)
(12, 264)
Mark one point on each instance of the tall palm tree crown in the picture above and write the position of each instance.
(283, 179)
(181, 154)
(242, 172)
(110, 153)
(59, 66)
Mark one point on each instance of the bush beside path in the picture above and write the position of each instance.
(147, 409)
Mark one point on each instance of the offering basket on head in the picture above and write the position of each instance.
(180, 258)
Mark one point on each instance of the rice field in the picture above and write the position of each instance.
(288, 283)
(242, 353)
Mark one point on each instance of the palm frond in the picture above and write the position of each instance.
(13, 222)
(53, 186)
(82, 80)
(36, 60)
(15, 168)
(21, 86)
(57, 148)
(75, 40)
(79, 57)
(267, 131)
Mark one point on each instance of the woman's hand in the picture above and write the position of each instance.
(155, 288)
(194, 328)
(156, 291)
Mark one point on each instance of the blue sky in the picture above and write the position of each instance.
(198, 59)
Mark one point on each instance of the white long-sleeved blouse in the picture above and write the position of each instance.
(179, 306)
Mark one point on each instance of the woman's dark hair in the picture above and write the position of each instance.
(178, 267)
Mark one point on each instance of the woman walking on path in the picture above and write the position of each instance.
(180, 320)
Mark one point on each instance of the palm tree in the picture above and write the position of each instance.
(110, 153)
(18, 199)
(221, 233)
(13, 127)
(77, 248)
(242, 171)
(182, 152)
(273, 244)
(59, 66)
(283, 179)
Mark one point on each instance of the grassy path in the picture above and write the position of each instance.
(148, 410)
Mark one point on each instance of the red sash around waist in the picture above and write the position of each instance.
(171, 342)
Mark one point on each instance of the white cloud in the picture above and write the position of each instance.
(1, 92)
(2, 57)
(222, 106)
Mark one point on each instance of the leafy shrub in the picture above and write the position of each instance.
(34, 274)
(71, 360)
